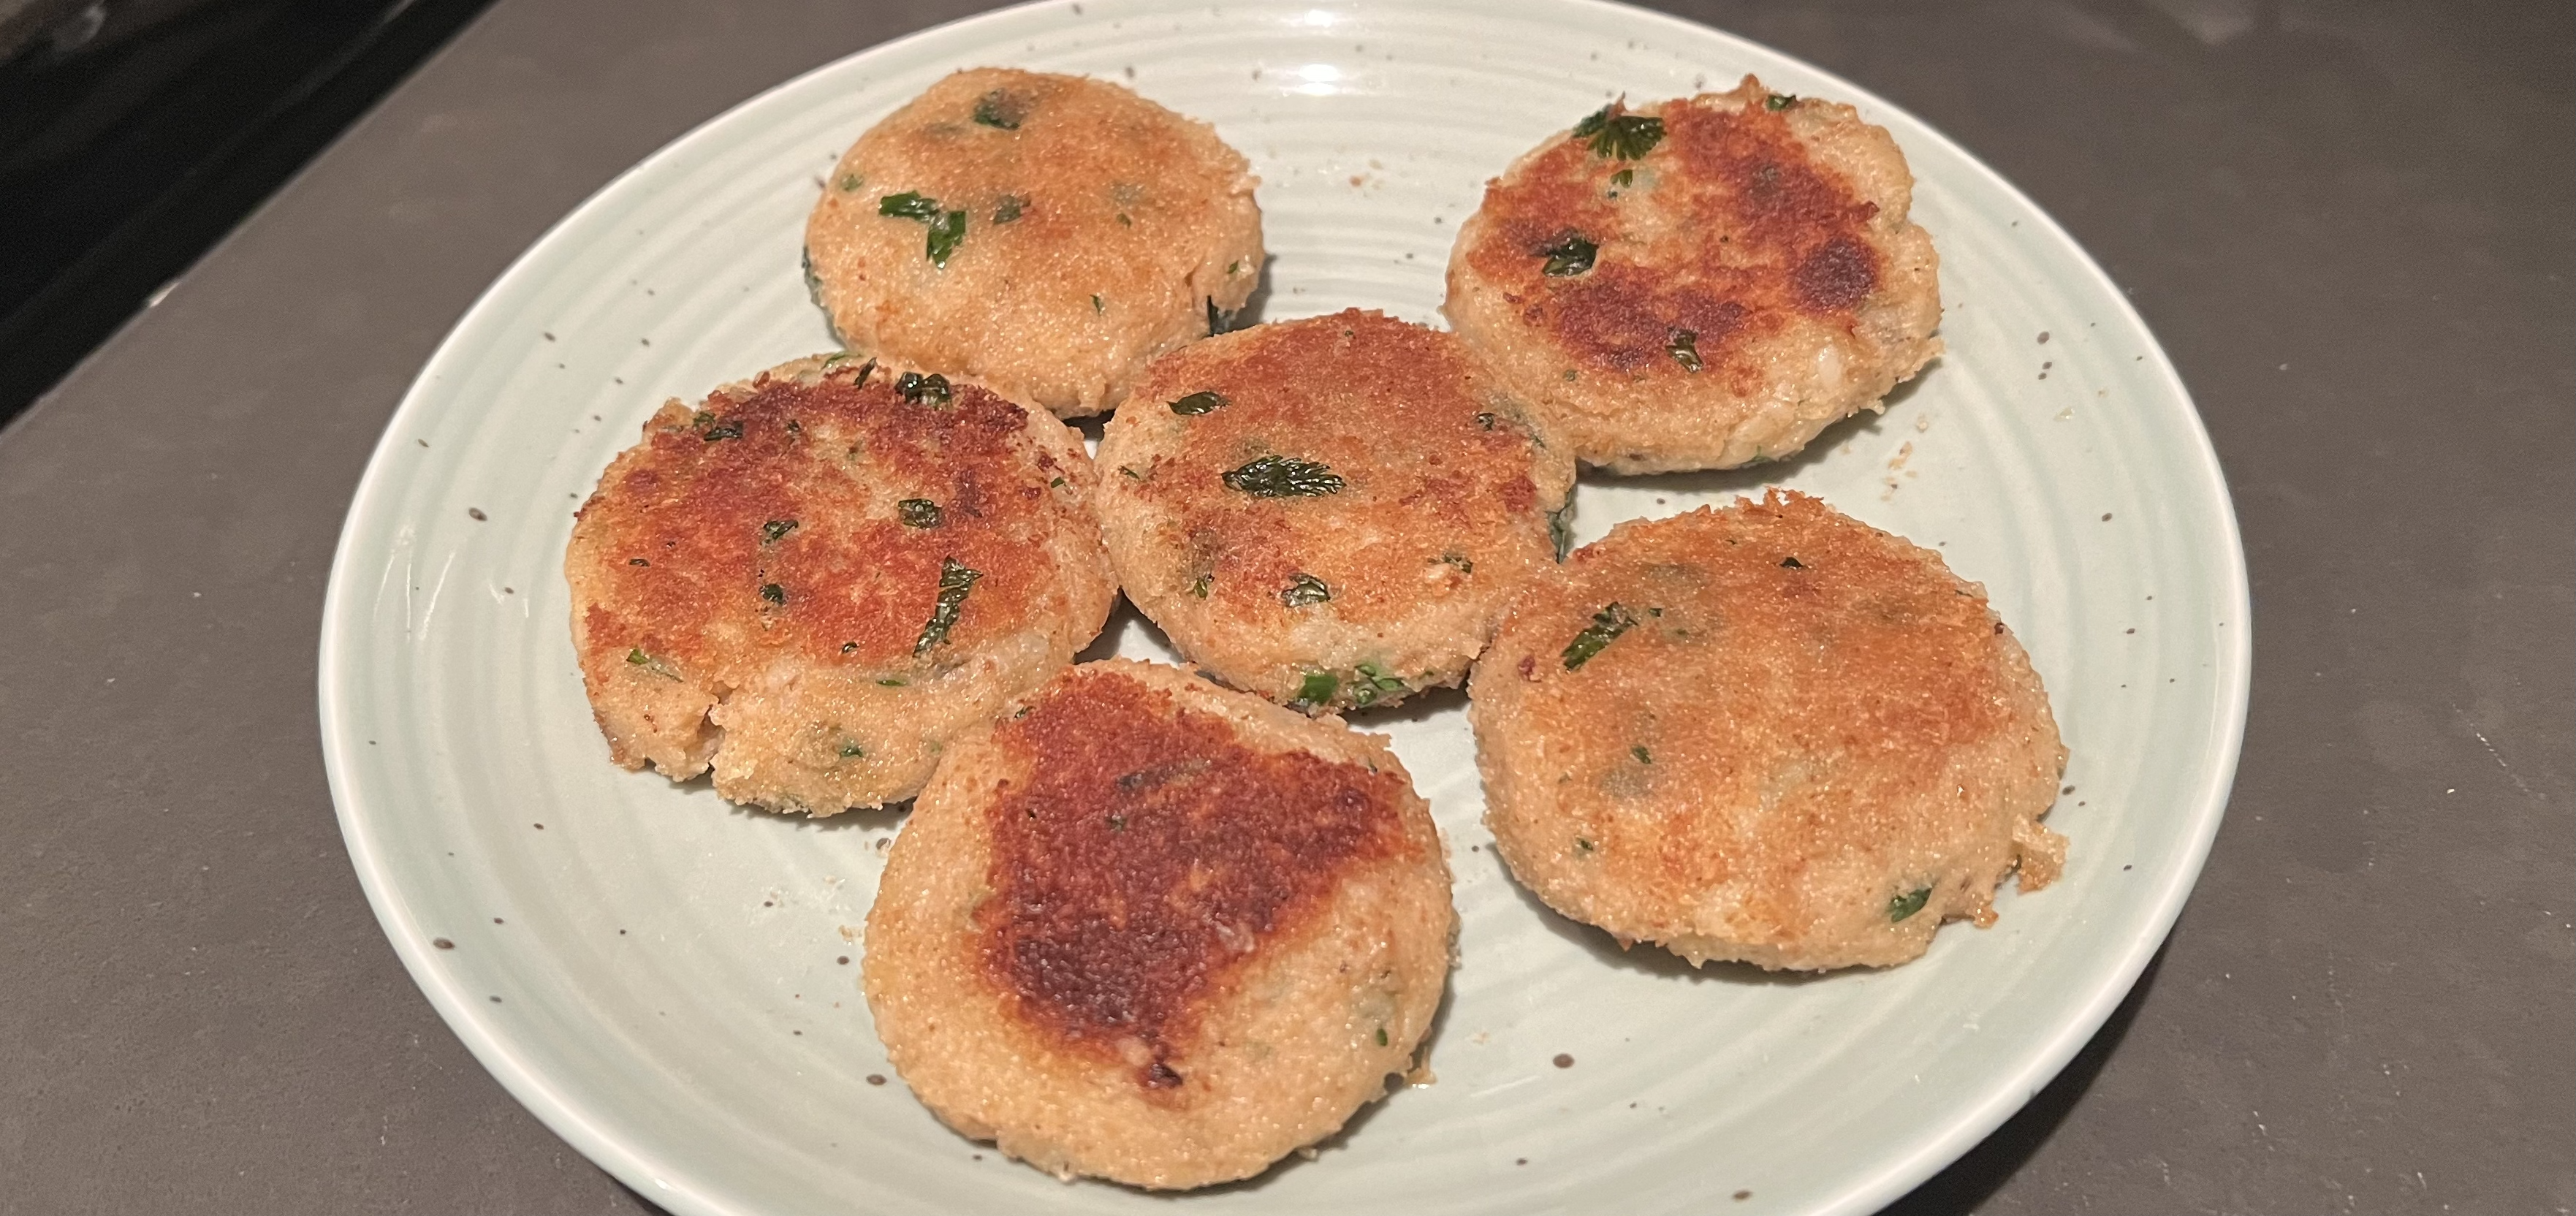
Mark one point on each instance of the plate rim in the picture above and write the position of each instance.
(1867, 1190)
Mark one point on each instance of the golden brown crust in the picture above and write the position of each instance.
(1135, 869)
(1182, 996)
(1757, 733)
(796, 545)
(1440, 496)
(1098, 229)
(1753, 277)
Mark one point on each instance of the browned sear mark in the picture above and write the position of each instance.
(1135, 867)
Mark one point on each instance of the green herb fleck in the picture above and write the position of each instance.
(955, 580)
(1620, 136)
(1199, 586)
(1683, 346)
(1234, 267)
(728, 429)
(1624, 178)
(947, 228)
(891, 682)
(919, 389)
(1487, 421)
(773, 593)
(910, 205)
(1378, 681)
(1584, 845)
(1304, 589)
(1609, 623)
(1124, 221)
(1381, 1036)
(1560, 530)
(847, 647)
(1318, 687)
(1096, 306)
(945, 233)
(1570, 255)
(1643, 756)
(656, 666)
(1792, 563)
(851, 750)
(1776, 103)
(1460, 561)
(1056, 484)
(1283, 477)
(918, 513)
(771, 531)
(1908, 904)
(1000, 110)
(1010, 208)
(1130, 474)
(637, 561)
(1199, 403)
(849, 182)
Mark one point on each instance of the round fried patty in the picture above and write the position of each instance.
(816, 577)
(1331, 512)
(1151, 930)
(1700, 283)
(1043, 234)
(1768, 733)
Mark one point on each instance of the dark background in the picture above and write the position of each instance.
(2350, 225)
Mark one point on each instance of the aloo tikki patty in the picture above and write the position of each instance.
(1331, 512)
(1700, 283)
(1148, 929)
(1043, 234)
(814, 578)
(1768, 733)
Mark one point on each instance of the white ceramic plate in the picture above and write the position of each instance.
(672, 984)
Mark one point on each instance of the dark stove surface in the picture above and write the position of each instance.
(135, 133)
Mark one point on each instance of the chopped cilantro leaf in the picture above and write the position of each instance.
(1283, 477)
(1571, 254)
(1620, 136)
(924, 390)
(1683, 346)
(1607, 624)
(1304, 589)
(1907, 904)
(1000, 110)
(945, 233)
(955, 581)
(911, 205)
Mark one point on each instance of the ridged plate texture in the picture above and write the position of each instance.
(672, 982)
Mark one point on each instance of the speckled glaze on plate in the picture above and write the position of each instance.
(672, 983)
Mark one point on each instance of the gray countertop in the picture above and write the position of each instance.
(2350, 225)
